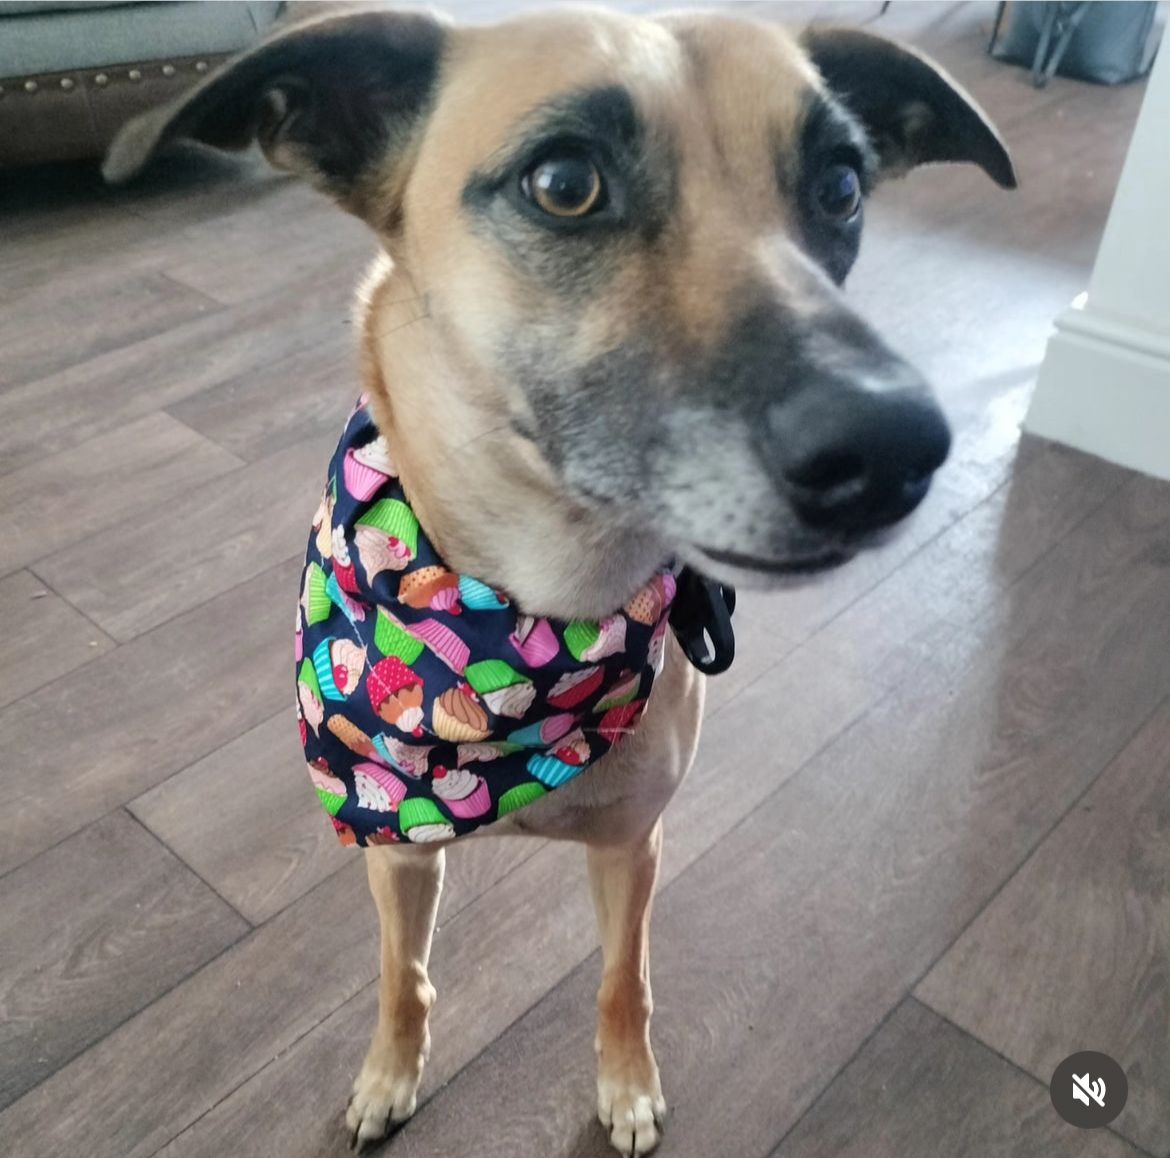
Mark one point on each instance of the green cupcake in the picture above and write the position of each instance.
(318, 605)
(308, 677)
(330, 801)
(416, 810)
(394, 518)
(581, 634)
(390, 639)
(519, 797)
(490, 675)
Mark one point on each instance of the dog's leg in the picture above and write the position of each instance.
(629, 1095)
(406, 882)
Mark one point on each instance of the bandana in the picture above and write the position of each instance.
(428, 704)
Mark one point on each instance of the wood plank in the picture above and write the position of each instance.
(256, 251)
(237, 244)
(104, 734)
(43, 637)
(66, 321)
(68, 496)
(809, 921)
(313, 1079)
(769, 624)
(90, 932)
(1083, 933)
(131, 1091)
(273, 844)
(59, 225)
(971, 566)
(105, 393)
(196, 546)
(271, 407)
(920, 1088)
(137, 1088)
(196, 184)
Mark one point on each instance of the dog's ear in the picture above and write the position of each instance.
(335, 100)
(912, 111)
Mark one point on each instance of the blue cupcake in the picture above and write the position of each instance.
(552, 772)
(479, 596)
(323, 666)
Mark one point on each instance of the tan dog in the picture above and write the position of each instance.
(605, 333)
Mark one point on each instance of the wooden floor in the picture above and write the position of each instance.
(925, 852)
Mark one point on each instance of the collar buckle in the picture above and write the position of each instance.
(701, 619)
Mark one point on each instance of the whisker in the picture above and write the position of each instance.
(484, 434)
(385, 333)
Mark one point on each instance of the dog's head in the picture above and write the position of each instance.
(631, 234)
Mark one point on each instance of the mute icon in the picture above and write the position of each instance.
(1085, 1088)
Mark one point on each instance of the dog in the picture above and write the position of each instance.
(605, 334)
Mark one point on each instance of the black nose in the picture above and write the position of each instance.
(854, 460)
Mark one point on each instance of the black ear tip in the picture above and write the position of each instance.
(998, 164)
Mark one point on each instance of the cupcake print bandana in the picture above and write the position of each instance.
(428, 704)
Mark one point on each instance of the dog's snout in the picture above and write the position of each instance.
(854, 460)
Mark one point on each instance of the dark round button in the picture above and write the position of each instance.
(1089, 1089)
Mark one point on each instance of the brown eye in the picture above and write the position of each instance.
(838, 192)
(564, 186)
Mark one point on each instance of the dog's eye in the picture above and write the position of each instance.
(568, 186)
(838, 192)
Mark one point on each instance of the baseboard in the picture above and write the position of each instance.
(1104, 387)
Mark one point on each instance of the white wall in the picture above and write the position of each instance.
(1104, 385)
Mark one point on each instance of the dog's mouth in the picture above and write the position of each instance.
(799, 564)
(796, 566)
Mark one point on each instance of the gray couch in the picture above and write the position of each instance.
(72, 73)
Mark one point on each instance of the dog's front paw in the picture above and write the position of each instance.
(633, 1112)
(383, 1098)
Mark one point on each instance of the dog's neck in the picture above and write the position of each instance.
(484, 496)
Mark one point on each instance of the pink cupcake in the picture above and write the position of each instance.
(377, 787)
(363, 473)
(534, 640)
(464, 793)
(443, 642)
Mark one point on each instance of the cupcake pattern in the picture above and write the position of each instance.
(428, 704)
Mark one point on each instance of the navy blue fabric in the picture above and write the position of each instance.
(428, 704)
